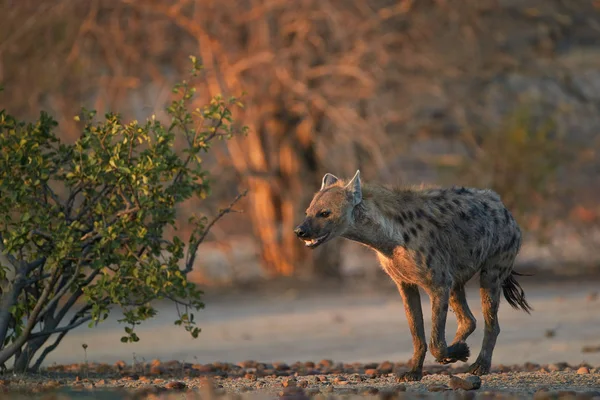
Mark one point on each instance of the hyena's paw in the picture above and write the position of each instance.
(480, 367)
(457, 352)
(410, 376)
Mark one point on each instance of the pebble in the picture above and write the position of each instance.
(289, 383)
(470, 383)
(175, 385)
(371, 372)
(583, 371)
(437, 388)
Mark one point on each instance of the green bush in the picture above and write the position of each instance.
(86, 221)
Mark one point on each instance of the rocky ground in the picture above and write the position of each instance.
(322, 380)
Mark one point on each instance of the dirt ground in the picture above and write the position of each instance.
(350, 324)
(327, 343)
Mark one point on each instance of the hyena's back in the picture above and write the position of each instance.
(459, 230)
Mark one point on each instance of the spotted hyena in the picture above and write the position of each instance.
(436, 239)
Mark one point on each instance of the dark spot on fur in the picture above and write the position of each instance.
(411, 216)
(433, 222)
(456, 201)
(496, 220)
(511, 244)
(431, 235)
(406, 238)
(432, 251)
(413, 230)
(420, 227)
(506, 216)
(460, 190)
(481, 230)
(442, 208)
(403, 214)
(420, 213)
(429, 261)
(485, 205)
(400, 220)
(463, 215)
(422, 249)
(475, 212)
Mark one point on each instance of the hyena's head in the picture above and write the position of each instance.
(330, 212)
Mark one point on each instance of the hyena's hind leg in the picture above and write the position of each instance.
(490, 289)
(458, 350)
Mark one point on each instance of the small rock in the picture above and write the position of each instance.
(583, 371)
(470, 383)
(399, 388)
(369, 390)
(437, 388)
(281, 366)
(325, 363)
(566, 394)
(175, 385)
(327, 389)
(558, 366)
(289, 383)
(542, 393)
(203, 368)
(52, 384)
(156, 370)
(385, 367)
(371, 372)
(251, 377)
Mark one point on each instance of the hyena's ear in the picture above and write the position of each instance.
(355, 189)
(328, 180)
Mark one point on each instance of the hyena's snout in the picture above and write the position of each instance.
(311, 237)
(301, 231)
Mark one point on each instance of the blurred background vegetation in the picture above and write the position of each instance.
(497, 93)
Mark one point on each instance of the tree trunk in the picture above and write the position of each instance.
(284, 174)
(24, 359)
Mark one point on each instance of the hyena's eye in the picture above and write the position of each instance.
(324, 214)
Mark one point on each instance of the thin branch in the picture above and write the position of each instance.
(93, 202)
(191, 254)
(60, 337)
(45, 235)
(76, 295)
(8, 351)
(65, 328)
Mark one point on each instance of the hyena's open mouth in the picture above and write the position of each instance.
(312, 243)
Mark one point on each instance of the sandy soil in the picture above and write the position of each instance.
(344, 343)
(350, 325)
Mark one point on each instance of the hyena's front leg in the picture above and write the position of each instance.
(414, 315)
(440, 297)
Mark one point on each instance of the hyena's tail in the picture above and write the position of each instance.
(514, 293)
